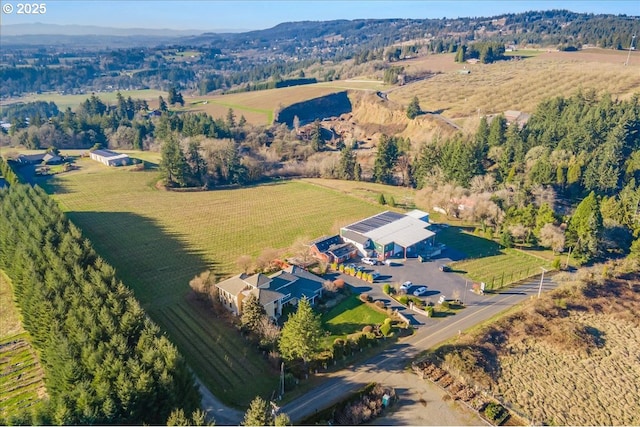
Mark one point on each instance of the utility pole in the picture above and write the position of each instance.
(630, 49)
(544, 270)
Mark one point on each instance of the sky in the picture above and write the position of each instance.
(251, 15)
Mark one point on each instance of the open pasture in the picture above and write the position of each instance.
(73, 101)
(521, 85)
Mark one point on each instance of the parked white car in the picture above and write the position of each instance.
(406, 286)
(420, 291)
(369, 261)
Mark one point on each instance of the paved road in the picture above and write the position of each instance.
(396, 358)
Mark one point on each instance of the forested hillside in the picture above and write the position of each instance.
(240, 60)
(105, 361)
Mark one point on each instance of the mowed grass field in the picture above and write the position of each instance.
(350, 316)
(21, 383)
(519, 85)
(489, 262)
(159, 240)
(64, 101)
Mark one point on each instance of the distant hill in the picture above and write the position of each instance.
(81, 30)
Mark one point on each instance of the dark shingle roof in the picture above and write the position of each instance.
(323, 243)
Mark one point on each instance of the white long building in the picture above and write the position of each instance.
(110, 158)
(392, 234)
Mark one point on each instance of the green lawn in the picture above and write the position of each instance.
(490, 263)
(159, 240)
(350, 316)
(472, 246)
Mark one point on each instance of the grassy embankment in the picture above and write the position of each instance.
(21, 383)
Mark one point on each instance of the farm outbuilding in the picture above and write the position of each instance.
(391, 234)
(110, 158)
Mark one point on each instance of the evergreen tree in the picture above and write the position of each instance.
(413, 110)
(252, 313)
(301, 334)
(347, 164)
(258, 414)
(162, 104)
(317, 143)
(196, 164)
(497, 131)
(385, 160)
(173, 164)
(585, 229)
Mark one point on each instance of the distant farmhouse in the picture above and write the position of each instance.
(287, 286)
(386, 235)
(36, 159)
(110, 158)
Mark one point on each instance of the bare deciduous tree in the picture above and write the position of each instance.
(552, 236)
(244, 263)
(265, 260)
(519, 232)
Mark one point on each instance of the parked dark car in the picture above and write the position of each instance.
(445, 268)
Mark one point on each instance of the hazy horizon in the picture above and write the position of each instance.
(213, 15)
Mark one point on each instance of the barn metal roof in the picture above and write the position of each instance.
(406, 231)
(375, 222)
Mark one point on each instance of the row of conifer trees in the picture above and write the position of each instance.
(105, 361)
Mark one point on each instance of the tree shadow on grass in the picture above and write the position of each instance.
(154, 262)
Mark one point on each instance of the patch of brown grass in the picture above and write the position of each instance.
(569, 357)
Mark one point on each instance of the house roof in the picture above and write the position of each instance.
(325, 242)
(296, 281)
(406, 231)
(258, 280)
(234, 285)
(29, 158)
(266, 296)
(51, 158)
(339, 251)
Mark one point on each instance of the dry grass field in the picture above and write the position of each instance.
(520, 85)
(568, 358)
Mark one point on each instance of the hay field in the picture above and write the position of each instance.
(521, 85)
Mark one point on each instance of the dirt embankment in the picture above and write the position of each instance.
(332, 105)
